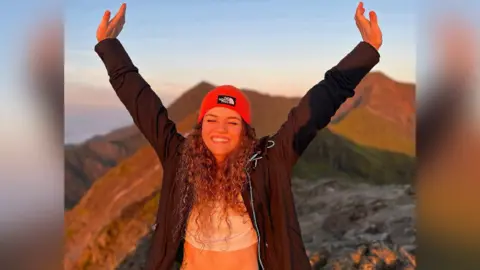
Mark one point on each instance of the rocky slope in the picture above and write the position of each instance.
(98, 217)
(89, 161)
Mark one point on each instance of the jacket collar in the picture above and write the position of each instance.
(260, 151)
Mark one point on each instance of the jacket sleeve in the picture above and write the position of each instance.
(147, 110)
(320, 103)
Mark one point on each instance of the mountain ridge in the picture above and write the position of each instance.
(86, 162)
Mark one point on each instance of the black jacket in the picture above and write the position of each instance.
(268, 196)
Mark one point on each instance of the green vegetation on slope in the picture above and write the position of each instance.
(365, 128)
(332, 155)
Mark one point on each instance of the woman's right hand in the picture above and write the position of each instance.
(369, 29)
(111, 28)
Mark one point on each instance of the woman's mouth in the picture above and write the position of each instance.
(220, 139)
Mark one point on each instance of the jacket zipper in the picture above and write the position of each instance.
(255, 222)
(255, 159)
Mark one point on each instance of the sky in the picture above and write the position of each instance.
(276, 47)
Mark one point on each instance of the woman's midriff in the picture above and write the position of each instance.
(242, 259)
(219, 244)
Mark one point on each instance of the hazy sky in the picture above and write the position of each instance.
(277, 47)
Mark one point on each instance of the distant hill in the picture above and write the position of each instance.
(89, 161)
(90, 225)
(380, 115)
(391, 99)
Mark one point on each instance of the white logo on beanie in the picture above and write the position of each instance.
(226, 100)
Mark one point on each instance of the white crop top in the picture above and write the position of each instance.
(218, 236)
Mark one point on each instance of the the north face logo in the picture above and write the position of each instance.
(226, 100)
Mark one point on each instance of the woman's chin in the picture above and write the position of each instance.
(220, 153)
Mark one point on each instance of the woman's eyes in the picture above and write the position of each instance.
(230, 123)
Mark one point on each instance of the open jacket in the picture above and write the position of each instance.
(268, 196)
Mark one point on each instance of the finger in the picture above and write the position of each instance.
(359, 15)
(373, 18)
(122, 9)
(104, 23)
(360, 10)
(105, 18)
(360, 5)
(120, 16)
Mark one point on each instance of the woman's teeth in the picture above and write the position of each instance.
(219, 139)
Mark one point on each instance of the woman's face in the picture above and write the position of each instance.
(221, 131)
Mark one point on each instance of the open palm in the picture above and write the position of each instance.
(369, 29)
(111, 28)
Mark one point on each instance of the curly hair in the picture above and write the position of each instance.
(204, 183)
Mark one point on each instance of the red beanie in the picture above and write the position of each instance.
(226, 96)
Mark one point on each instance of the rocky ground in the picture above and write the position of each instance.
(338, 218)
(346, 225)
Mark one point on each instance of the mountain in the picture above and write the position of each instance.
(380, 115)
(120, 207)
(91, 227)
(89, 161)
(385, 98)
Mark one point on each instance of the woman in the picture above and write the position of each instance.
(226, 201)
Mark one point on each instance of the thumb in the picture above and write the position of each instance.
(373, 18)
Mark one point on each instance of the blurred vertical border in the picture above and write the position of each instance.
(31, 115)
(448, 135)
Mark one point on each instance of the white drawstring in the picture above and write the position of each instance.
(255, 158)
(272, 143)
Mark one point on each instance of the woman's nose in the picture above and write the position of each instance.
(223, 127)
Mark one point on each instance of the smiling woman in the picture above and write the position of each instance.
(214, 156)
(226, 200)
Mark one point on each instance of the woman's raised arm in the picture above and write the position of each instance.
(322, 101)
(147, 110)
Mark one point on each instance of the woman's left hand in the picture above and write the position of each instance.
(369, 30)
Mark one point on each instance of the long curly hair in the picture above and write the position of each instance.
(204, 183)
